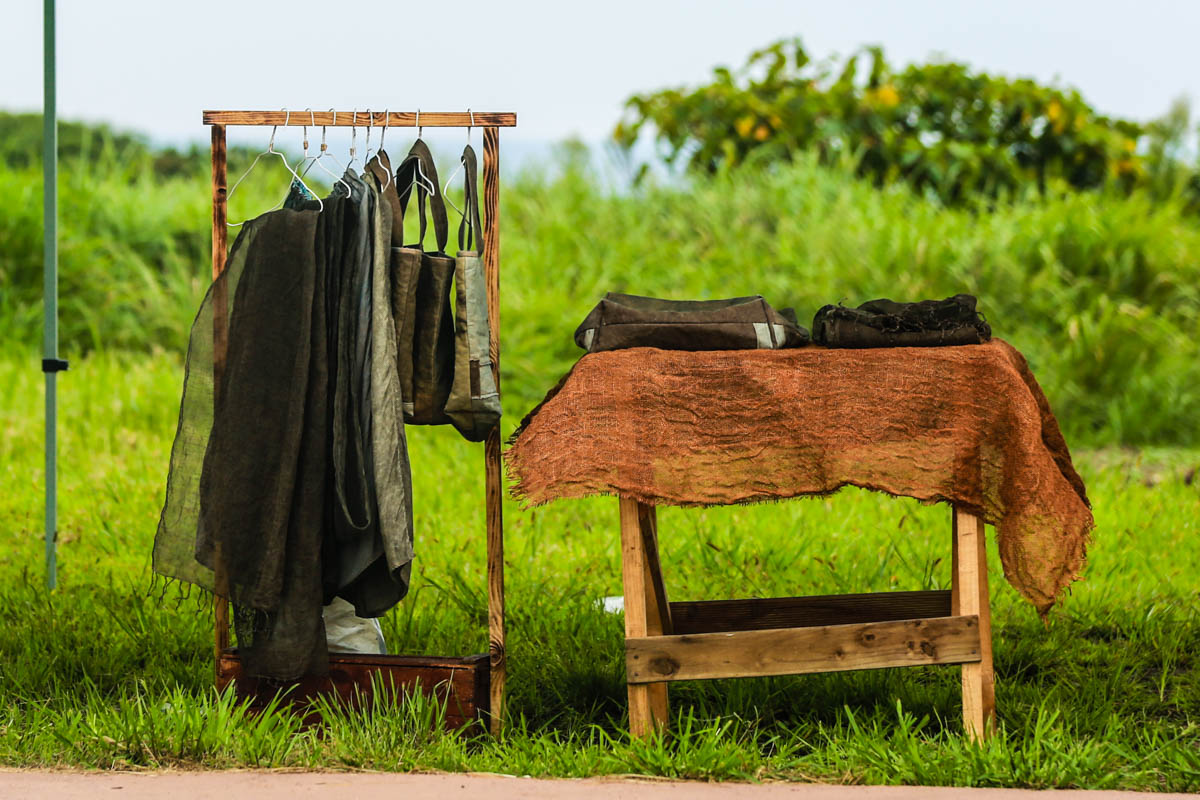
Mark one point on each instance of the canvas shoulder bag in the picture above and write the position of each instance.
(421, 287)
(474, 402)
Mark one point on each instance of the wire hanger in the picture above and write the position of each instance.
(325, 153)
(387, 119)
(420, 178)
(271, 151)
(458, 169)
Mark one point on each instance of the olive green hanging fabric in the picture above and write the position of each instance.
(262, 478)
(474, 402)
(295, 472)
(421, 299)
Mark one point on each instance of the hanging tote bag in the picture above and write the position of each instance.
(741, 323)
(474, 403)
(421, 298)
(406, 269)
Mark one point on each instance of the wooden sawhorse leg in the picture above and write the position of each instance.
(792, 643)
(969, 595)
(646, 610)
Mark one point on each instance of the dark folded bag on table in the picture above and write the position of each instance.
(883, 323)
(741, 323)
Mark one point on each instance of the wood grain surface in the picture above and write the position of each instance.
(493, 472)
(346, 119)
(796, 651)
(719, 616)
(219, 346)
(971, 580)
(460, 683)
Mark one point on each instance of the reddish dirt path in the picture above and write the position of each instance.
(262, 785)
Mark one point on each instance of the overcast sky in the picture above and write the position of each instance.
(565, 67)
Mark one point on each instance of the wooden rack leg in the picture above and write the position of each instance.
(491, 448)
(969, 595)
(644, 597)
(219, 232)
(495, 581)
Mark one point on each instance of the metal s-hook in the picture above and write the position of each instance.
(324, 146)
(307, 161)
(286, 120)
(304, 140)
(370, 125)
(387, 119)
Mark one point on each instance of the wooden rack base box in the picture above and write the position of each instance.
(463, 684)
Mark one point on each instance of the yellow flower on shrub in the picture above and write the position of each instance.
(1054, 113)
(885, 95)
(1128, 166)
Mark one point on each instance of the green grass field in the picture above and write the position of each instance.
(113, 670)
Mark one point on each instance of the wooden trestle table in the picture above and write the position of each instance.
(681, 641)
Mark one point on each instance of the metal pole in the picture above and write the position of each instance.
(50, 361)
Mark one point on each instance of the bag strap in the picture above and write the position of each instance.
(381, 168)
(469, 225)
(420, 157)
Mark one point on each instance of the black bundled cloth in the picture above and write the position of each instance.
(294, 472)
(884, 323)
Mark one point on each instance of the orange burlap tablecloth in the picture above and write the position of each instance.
(966, 425)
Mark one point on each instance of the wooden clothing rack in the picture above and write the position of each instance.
(350, 669)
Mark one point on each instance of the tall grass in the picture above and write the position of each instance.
(1101, 293)
(113, 671)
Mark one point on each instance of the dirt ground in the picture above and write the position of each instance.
(263, 785)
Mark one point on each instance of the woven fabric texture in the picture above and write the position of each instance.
(966, 425)
(294, 474)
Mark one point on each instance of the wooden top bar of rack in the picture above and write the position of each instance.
(346, 119)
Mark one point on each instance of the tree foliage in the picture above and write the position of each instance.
(945, 129)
